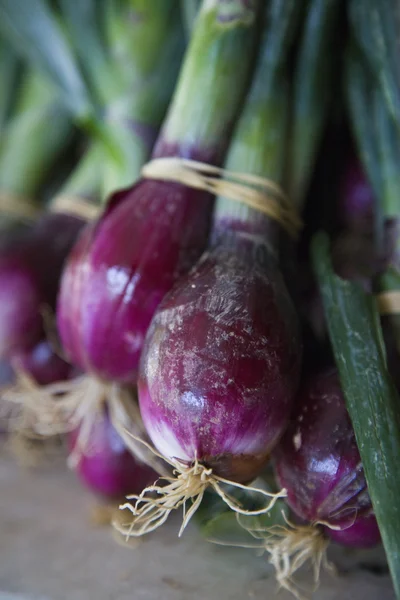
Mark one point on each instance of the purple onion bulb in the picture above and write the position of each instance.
(319, 464)
(106, 466)
(121, 268)
(20, 297)
(221, 362)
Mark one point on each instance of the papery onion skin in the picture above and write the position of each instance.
(221, 361)
(121, 268)
(318, 462)
(106, 466)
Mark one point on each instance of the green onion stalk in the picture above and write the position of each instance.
(189, 10)
(32, 140)
(314, 70)
(260, 144)
(10, 70)
(135, 53)
(375, 27)
(372, 399)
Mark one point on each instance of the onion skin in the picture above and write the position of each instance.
(221, 362)
(318, 462)
(121, 268)
(109, 469)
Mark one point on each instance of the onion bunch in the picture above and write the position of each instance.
(168, 252)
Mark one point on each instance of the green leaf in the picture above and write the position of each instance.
(84, 26)
(372, 399)
(35, 33)
(213, 77)
(376, 26)
(10, 69)
(312, 92)
(359, 87)
(189, 9)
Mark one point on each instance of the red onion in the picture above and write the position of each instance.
(364, 533)
(31, 260)
(218, 373)
(121, 268)
(319, 464)
(20, 297)
(221, 362)
(30, 265)
(107, 467)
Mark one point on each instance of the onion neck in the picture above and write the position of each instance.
(260, 141)
(212, 82)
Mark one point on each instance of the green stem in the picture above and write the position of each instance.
(189, 9)
(146, 41)
(371, 396)
(259, 144)
(312, 93)
(33, 139)
(84, 25)
(9, 74)
(388, 146)
(376, 26)
(212, 81)
(34, 32)
(360, 106)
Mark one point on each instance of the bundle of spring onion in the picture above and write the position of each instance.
(170, 250)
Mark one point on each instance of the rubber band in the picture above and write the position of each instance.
(15, 205)
(74, 205)
(256, 192)
(388, 303)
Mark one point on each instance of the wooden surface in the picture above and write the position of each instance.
(49, 550)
